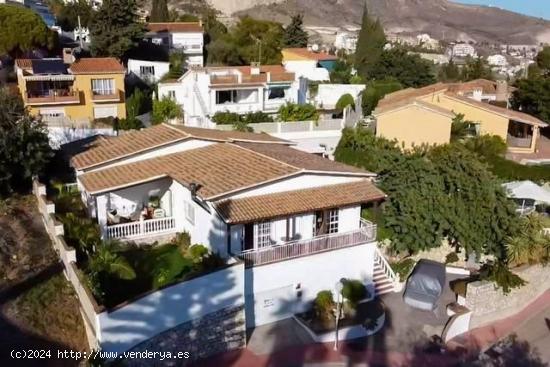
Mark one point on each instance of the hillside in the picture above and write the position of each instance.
(442, 19)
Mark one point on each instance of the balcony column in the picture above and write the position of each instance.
(101, 209)
(534, 138)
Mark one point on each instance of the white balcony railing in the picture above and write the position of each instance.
(141, 228)
(293, 249)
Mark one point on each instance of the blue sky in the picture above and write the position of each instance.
(537, 8)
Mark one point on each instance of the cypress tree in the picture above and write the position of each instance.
(370, 44)
(159, 11)
(294, 34)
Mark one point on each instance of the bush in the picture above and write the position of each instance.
(499, 274)
(298, 112)
(182, 241)
(354, 291)
(165, 109)
(225, 118)
(324, 305)
(197, 252)
(403, 268)
(105, 121)
(344, 101)
(129, 124)
(451, 257)
(228, 118)
(256, 117)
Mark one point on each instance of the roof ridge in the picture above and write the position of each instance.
(176, 129)
(266, 156)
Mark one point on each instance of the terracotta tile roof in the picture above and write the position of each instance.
(229, 136)
(487, 86)
(177, 27)
(410, 94)
(129, 143)
(302, 160)
(282, 204)
(97, 65)
(277, 73)
(134, 142)
(412, 102)
(305, 53)
(217, 169)
(23, 63)
(511, 114)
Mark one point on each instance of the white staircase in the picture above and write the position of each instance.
(385, 280)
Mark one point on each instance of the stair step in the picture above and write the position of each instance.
(383, 285)
(383, 291)
(378, 278)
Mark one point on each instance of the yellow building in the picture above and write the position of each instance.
(77, 93)
(424, 116)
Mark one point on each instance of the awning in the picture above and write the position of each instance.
(282, 204)
(49, 77)
(527, 190)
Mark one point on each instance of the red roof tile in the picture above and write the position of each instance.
(97, 65)
(176, 27)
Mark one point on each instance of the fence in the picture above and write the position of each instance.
(291, 126)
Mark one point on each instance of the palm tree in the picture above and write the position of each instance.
(106, 260)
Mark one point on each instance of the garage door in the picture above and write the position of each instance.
(270, 306)
(105, 111)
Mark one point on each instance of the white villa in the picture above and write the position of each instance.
(293, 218)
(185, 36)
(204, 91)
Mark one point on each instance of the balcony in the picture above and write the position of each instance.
(52, 96)
(516, 142)
(109, 96)
(290, 250)
(142, 228)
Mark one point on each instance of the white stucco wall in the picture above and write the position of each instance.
(160, 67)
(164, 309)
(273, 291)
(307, 69)
(127, 200)
(208, 228)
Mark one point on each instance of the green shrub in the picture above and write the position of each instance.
(211, 261)
(105, 121)
(451, 257)
(324, 305)
(354, 291)
(225, 117)
(232, 118)
(183, 241)
(298, 112)
(403, 268)
(499, 274)
(256, 117)
(344, 101)
(165, 109)
(197, 252)
(129, 124)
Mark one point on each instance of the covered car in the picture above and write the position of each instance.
(425, 285)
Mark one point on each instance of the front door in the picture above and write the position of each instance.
(248, 236)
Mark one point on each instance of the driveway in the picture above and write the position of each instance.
(536, 331)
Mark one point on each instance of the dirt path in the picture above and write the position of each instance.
(38, 309)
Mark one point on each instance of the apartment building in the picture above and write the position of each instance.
(74, 93)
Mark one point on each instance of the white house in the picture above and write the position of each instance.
(462, 50)
(185, 36)
(241, 89)
(308, 63)
(497, 60)
(293, 218)
(148, 71)
(346, 41)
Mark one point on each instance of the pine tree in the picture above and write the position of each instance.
(159, 11)
(115, 29)
(370, 44)
(294, 34)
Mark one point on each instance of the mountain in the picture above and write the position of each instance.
(442, 19)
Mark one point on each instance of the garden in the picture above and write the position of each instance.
(118, 271)
(357, 309)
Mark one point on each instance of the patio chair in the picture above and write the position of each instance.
(159, 213)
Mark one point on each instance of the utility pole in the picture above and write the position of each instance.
(80, 34)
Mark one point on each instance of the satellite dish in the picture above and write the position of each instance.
(315, 47)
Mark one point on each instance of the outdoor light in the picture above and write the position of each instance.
(338, 287)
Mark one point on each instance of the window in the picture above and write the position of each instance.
(171, 94)
(103, 86)
(263, 234)
(226, 96)
(190, 212)
(146, 70)
(333, 221)
(276, 93)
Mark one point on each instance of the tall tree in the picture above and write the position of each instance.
(409, 69)
(532, 96)
(294, 34)
(449, 72)
(115, 28)
(476, 68)
(23, 30)
(370, 44)
(159, 11)
(67, 17)
(24, 145)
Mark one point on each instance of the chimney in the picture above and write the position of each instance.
(502, 91)
(68, 57)
(254, 68)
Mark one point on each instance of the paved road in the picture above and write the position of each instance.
(536, 331)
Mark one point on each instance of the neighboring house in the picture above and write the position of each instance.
(483, 90)
(185, 36)
(204, 91)
(315, 66)
(74, 93)
(424, 116)
(148, 70)
(437, 59)
(497, 60)
(328, 95)
(293, 218)
(346, 41)
(462, 50)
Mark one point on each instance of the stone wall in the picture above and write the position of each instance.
(489, 304)
(215, 333)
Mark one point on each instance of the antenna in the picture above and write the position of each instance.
(80, 34)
